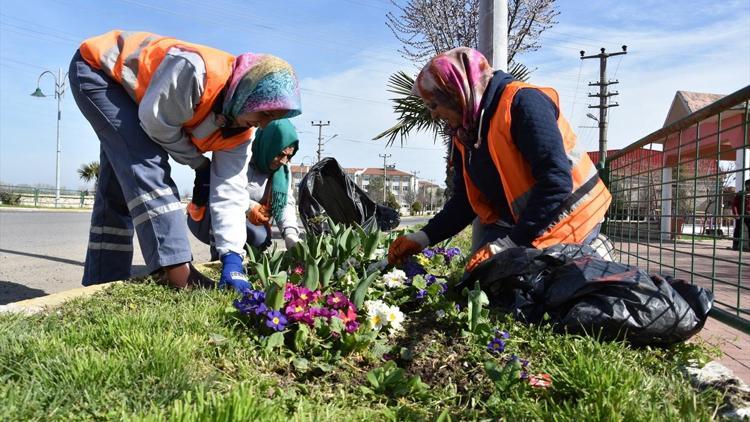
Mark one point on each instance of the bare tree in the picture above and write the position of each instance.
(428, 27)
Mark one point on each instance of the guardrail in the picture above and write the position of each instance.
(27, 196)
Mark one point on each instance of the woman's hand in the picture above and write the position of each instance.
(259, 215)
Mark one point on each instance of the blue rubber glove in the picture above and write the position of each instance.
(232, 273)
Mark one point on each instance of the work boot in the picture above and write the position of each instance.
(184, 275)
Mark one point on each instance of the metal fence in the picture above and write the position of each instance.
(672, 196)
(27, 196)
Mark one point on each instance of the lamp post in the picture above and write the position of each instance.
(59, 91)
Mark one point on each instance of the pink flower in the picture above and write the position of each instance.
(296, 309)
(299, 270)
(351, 326)
(337, 300)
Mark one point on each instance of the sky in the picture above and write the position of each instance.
(344, 53)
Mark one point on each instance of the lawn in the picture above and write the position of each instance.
(141, 351)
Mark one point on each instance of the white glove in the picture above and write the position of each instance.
(290, 239)
(501, 244)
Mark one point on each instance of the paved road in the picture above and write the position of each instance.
(42, 252)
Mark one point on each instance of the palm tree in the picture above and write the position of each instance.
(413, 114)
(89, 172)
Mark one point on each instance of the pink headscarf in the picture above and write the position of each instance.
(456, 79)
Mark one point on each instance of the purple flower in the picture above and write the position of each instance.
(451, 253)
(458, 307)
(430, 279)
(496, 345)
(443, 288)
(251, 301)
(337, 300)
(411, 268)
(421, 294)
(502, 334)
(524, 375)
(351, 326)
(429, 253)
(276, 320)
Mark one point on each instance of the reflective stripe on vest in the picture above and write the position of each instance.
(578, 215)
(131, 59)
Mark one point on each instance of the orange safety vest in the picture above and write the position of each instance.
(131, 59)
(588, 202)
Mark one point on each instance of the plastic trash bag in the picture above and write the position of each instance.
(326, 191)
(579, 292)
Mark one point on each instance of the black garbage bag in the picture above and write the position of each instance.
(584, 294)
(326, 191)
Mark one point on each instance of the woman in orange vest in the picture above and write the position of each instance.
(148, 98)
(518, 172)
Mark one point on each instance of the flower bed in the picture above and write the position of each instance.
(327, 334)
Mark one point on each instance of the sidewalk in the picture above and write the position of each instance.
(734, 344)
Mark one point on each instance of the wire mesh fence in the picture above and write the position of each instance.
(680, 206)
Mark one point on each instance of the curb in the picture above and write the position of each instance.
(42, 303)
(44, 209)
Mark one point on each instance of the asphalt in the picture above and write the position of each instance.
(42, 251)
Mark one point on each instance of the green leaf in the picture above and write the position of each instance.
(311, 277)
(358, 297)
(274, 296)
(419, 282)
(301, 364)
(477, 299)
(326, 273)
(444, 416)
(372, 240)
(300, 337)
(274, 341)
(279, 279)
(217, 339)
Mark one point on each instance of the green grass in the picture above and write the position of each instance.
(144, 352)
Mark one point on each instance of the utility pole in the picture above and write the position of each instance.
(320, 125)
(493, 32)
(385, 174)
(603, 101)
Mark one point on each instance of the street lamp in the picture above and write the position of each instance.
(59, 91)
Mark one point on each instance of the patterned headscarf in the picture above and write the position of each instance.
(456, 79)
(268, 143)
(261, 82)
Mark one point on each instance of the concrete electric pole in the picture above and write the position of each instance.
(385, 175)
(603, 101)
(493, 32)
(320, 125)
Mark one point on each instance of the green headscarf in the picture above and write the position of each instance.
(268, 143)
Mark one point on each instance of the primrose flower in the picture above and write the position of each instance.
(276, 320)
(395, 278)
(337, 300)
(421, 294)
(428, 253)
(395, 317)
(451, 253)
(299, 270)
(296, 309)
(496, 346)
(430, 279)
(377, 314)
(412, 268)
(502, 334)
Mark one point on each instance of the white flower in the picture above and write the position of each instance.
(379, 253)
(395, 278)
(376, 314)
(394, 317)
